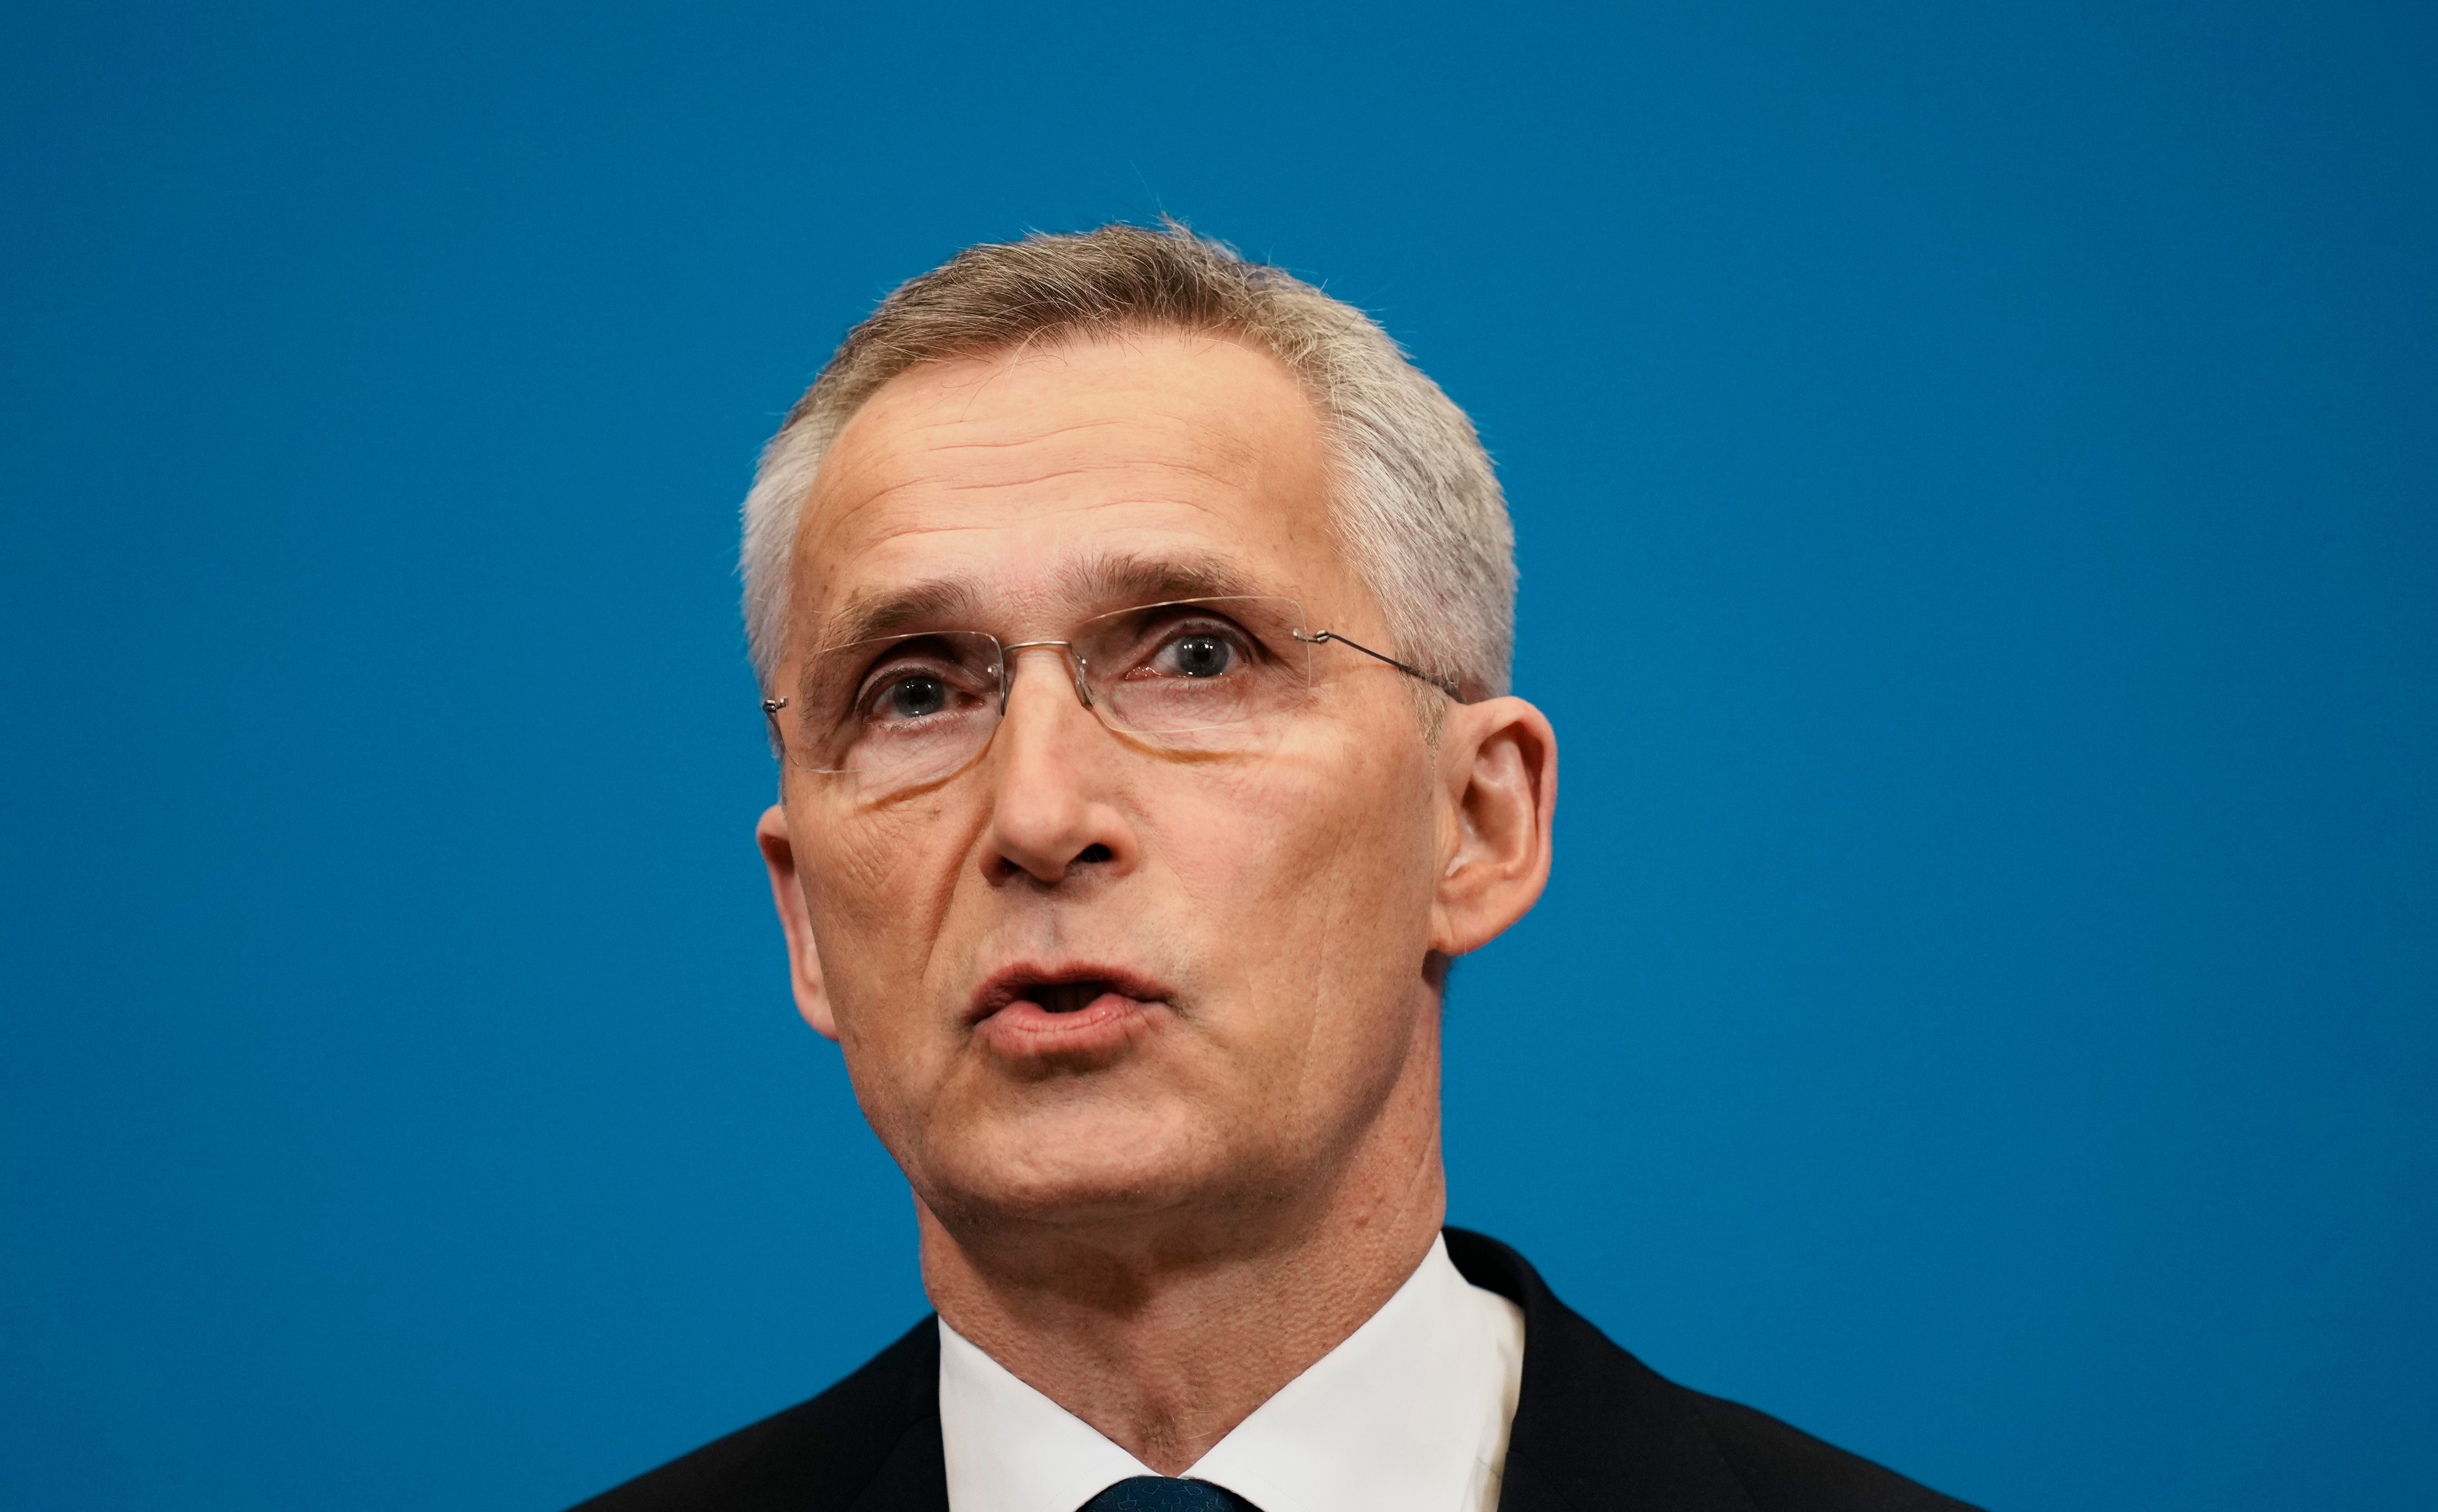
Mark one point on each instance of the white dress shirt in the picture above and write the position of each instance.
(1408, 1414)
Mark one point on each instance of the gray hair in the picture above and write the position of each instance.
(1417, 504)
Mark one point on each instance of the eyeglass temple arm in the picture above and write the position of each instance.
(1445, 685)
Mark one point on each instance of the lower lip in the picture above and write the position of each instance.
(1026, 1027)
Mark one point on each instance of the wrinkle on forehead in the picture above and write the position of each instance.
(1144, 443)
(929, 428)
(1016, 402)
(1130, 466)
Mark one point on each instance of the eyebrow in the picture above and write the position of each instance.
(1116, 580)
(1104, 581)
(941, 604)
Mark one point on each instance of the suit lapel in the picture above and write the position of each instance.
(915, 1477)
(1595, 1428)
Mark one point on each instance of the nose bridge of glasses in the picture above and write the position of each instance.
(1066, 653)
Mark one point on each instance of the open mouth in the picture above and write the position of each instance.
(1066, 998)
(1076, 1016)
(1079, 995)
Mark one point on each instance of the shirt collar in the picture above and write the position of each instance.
(1409, 1414)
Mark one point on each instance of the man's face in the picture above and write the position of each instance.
(1084, 978)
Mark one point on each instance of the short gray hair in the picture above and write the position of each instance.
(1417, 504)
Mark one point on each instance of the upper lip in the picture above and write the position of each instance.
(1015, 983)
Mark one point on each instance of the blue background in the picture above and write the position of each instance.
(1974, 472)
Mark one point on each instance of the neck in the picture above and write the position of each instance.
(1165, 1333)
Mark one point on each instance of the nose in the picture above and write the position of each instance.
(1065, 650)
(1051, 811)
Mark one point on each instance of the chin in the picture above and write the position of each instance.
(1069, 1172)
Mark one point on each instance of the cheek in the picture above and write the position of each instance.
(1308, 865)
(876, 893)
(876, 896)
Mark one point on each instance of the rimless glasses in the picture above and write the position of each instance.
(1211, 676)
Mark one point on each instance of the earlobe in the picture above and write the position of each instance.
(795, 921)
(1501, 770)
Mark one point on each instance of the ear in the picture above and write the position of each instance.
(788, 891)
(1499, 764)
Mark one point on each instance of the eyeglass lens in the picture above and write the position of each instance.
(906, 709)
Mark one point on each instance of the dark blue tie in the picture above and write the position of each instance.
(1157, 1494)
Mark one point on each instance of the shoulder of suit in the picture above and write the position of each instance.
(1785, 1470)
(873, 1441)
(1597, 1427)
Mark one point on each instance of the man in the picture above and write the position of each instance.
(1134, 626)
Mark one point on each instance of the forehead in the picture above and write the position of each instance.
(1034, 483)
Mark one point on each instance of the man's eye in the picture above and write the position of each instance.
(1199, 656)
(911, 695)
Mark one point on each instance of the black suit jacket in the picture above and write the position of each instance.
(1596, 1429)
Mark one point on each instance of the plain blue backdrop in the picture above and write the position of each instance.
(1975, 471)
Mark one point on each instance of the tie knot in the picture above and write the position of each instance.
(1159, 1493)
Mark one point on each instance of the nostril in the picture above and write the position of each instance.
(1094, 852)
